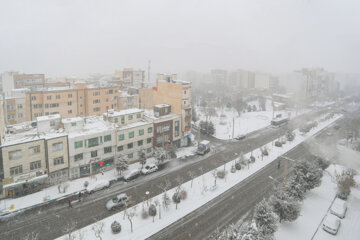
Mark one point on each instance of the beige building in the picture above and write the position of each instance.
(2, 120)
(127, 101)
(146, 98)
(82, 100)
(129, 77)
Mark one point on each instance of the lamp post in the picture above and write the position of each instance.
(147, 197)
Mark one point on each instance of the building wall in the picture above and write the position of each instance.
(2, 120)
(25, 159)
(132, 154)
(146, 98)
(8, 82)
(53, 153)
(34, 81)
(127, 118)
(15, 110)
(99, 100)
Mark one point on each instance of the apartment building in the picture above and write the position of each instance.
(2, 120)
(146, 98)
(91, 145)
(16, 106)
(133, 134)
(82, 100)
(129, 77)
(126, 100)
(167, 125)
(177, 94)
(29, 155)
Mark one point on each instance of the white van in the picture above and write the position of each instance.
(338, 208)
(331, 224)
(98, 185)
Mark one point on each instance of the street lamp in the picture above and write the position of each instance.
(147, 197)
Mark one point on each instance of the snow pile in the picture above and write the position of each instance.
(199, 191)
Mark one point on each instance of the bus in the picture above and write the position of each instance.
(277, 122)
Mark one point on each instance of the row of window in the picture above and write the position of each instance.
(130, 117)
(14, 171)
(13, 116)
(17, 154)
(58, 96)
(132, 134)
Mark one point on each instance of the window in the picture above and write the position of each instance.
(116, 120)
(57, 96)
(120, 148)
(69, 111)
(130, 145)
(47, 113)
(54, 105)
(177, 128)
(138, 115)
(96, 93)
(130, 155)
(149, 140)
(110, 92)
(13, 155)
(93, 142)
(46, 105)
(33, 97)
(78, 157)
(121, 137)
(34, 150)
(94, 153)
(97, 109)
(35, 165)
(58, 161)
(184, 102)
(158, 129)
(69, 95)
(107, 138)
(184, 91)
(14, 171)
(57, 146)
(69, 103)
(140, 142)
(20, 115)
(107, 150)
(96, 101)
(131, 134)
(37, 105)
(166, 128)
(19, 106)
(130, 117)
(122, 120)
(150, 130)
(148, 150)
(48, 97)
(141, 132)
(73, 124)
(78, 144)
(52, 123)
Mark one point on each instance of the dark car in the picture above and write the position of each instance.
(240, 137)
(278, 144)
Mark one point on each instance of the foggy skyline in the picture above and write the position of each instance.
(63, 38)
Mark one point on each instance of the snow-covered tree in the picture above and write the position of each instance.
(115, 227)
(265, 218)
(98, 229)
(121, 165)
(191, 174)
(286, 208)
(310, 172)
(130, 214)
(160, 154)
(171, 150)
(152, 211)
(295, 188)
(142, 156)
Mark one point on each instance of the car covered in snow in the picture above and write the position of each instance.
(98, 185)
(117, 202)
(278, 144)
(338, 208)
(132, 175)
(149, 168)
(240, 137)
(331, 224)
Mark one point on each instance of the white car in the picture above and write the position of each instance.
(117, 202)
(338, 208)
(331, 224)
(98, 185)
(132, 175)
(149, 169)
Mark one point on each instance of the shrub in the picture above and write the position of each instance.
(233, 169)
(144, 214)
(252, 159)
(115, 227)
(238, 166)
(183, 194)
(323, 163)
(176, 197)
(86, 184)
(221, 174)
(152, 210)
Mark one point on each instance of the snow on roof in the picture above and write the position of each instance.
(123, 112)
(44, 118)
(150, 114)
(70, 120)
(205, 142)
(93, 125)
(134, 125)
(162, 105)
(288, 95)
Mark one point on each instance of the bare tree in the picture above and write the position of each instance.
(31, 236)
(158, 204)
(69, 229)
(165, 185)
(130, 214)
(128, 203)
(192, 175)
(98, 229)
(214, 174)
(121, 165)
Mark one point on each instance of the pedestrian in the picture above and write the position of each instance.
(278, 165)
(79, 196)
(69, 202)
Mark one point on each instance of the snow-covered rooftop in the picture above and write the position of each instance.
(134, 125)
(151, 115)
(162, 105)
(44, 118)
(70, 120)
(122, 112)
(92, 125)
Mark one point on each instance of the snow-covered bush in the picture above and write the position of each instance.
(323, 163)
(221, 174)
(345, 180)
(295, 188)
(165, 200)
(115, 227)
(86, 184)
(183, 194)
(176, 198)
(252, 159)
(233, 169)
(144, 214)
(284, 207)
(152, 211)
(238, 166)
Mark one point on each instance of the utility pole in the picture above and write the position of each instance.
(233, 127)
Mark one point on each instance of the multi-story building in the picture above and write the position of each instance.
(126, 100)
(91, 145)
(146, 98)
(129, 78)
(82, 100)
(16, 106)
(167, 125)
(2, 120)
(133, 134)
(177, 94)
(29, 155)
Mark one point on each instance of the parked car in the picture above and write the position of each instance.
(329, 133)
(278, 144)
(240, 137)
(149, 169)
(98, 185)
(117, 202)
(331, 224)
(132, 175)
(336, 126)
(338, 208)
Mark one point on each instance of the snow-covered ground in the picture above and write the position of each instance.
(318, 201)
(246, 123)
(201, 192)
(74, 186)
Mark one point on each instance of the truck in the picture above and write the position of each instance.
(203, 147)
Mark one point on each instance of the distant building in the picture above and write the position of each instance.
(129, 77)
(16, 107)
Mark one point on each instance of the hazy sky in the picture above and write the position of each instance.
(80, 37)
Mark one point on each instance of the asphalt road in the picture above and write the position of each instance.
(51, 221)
